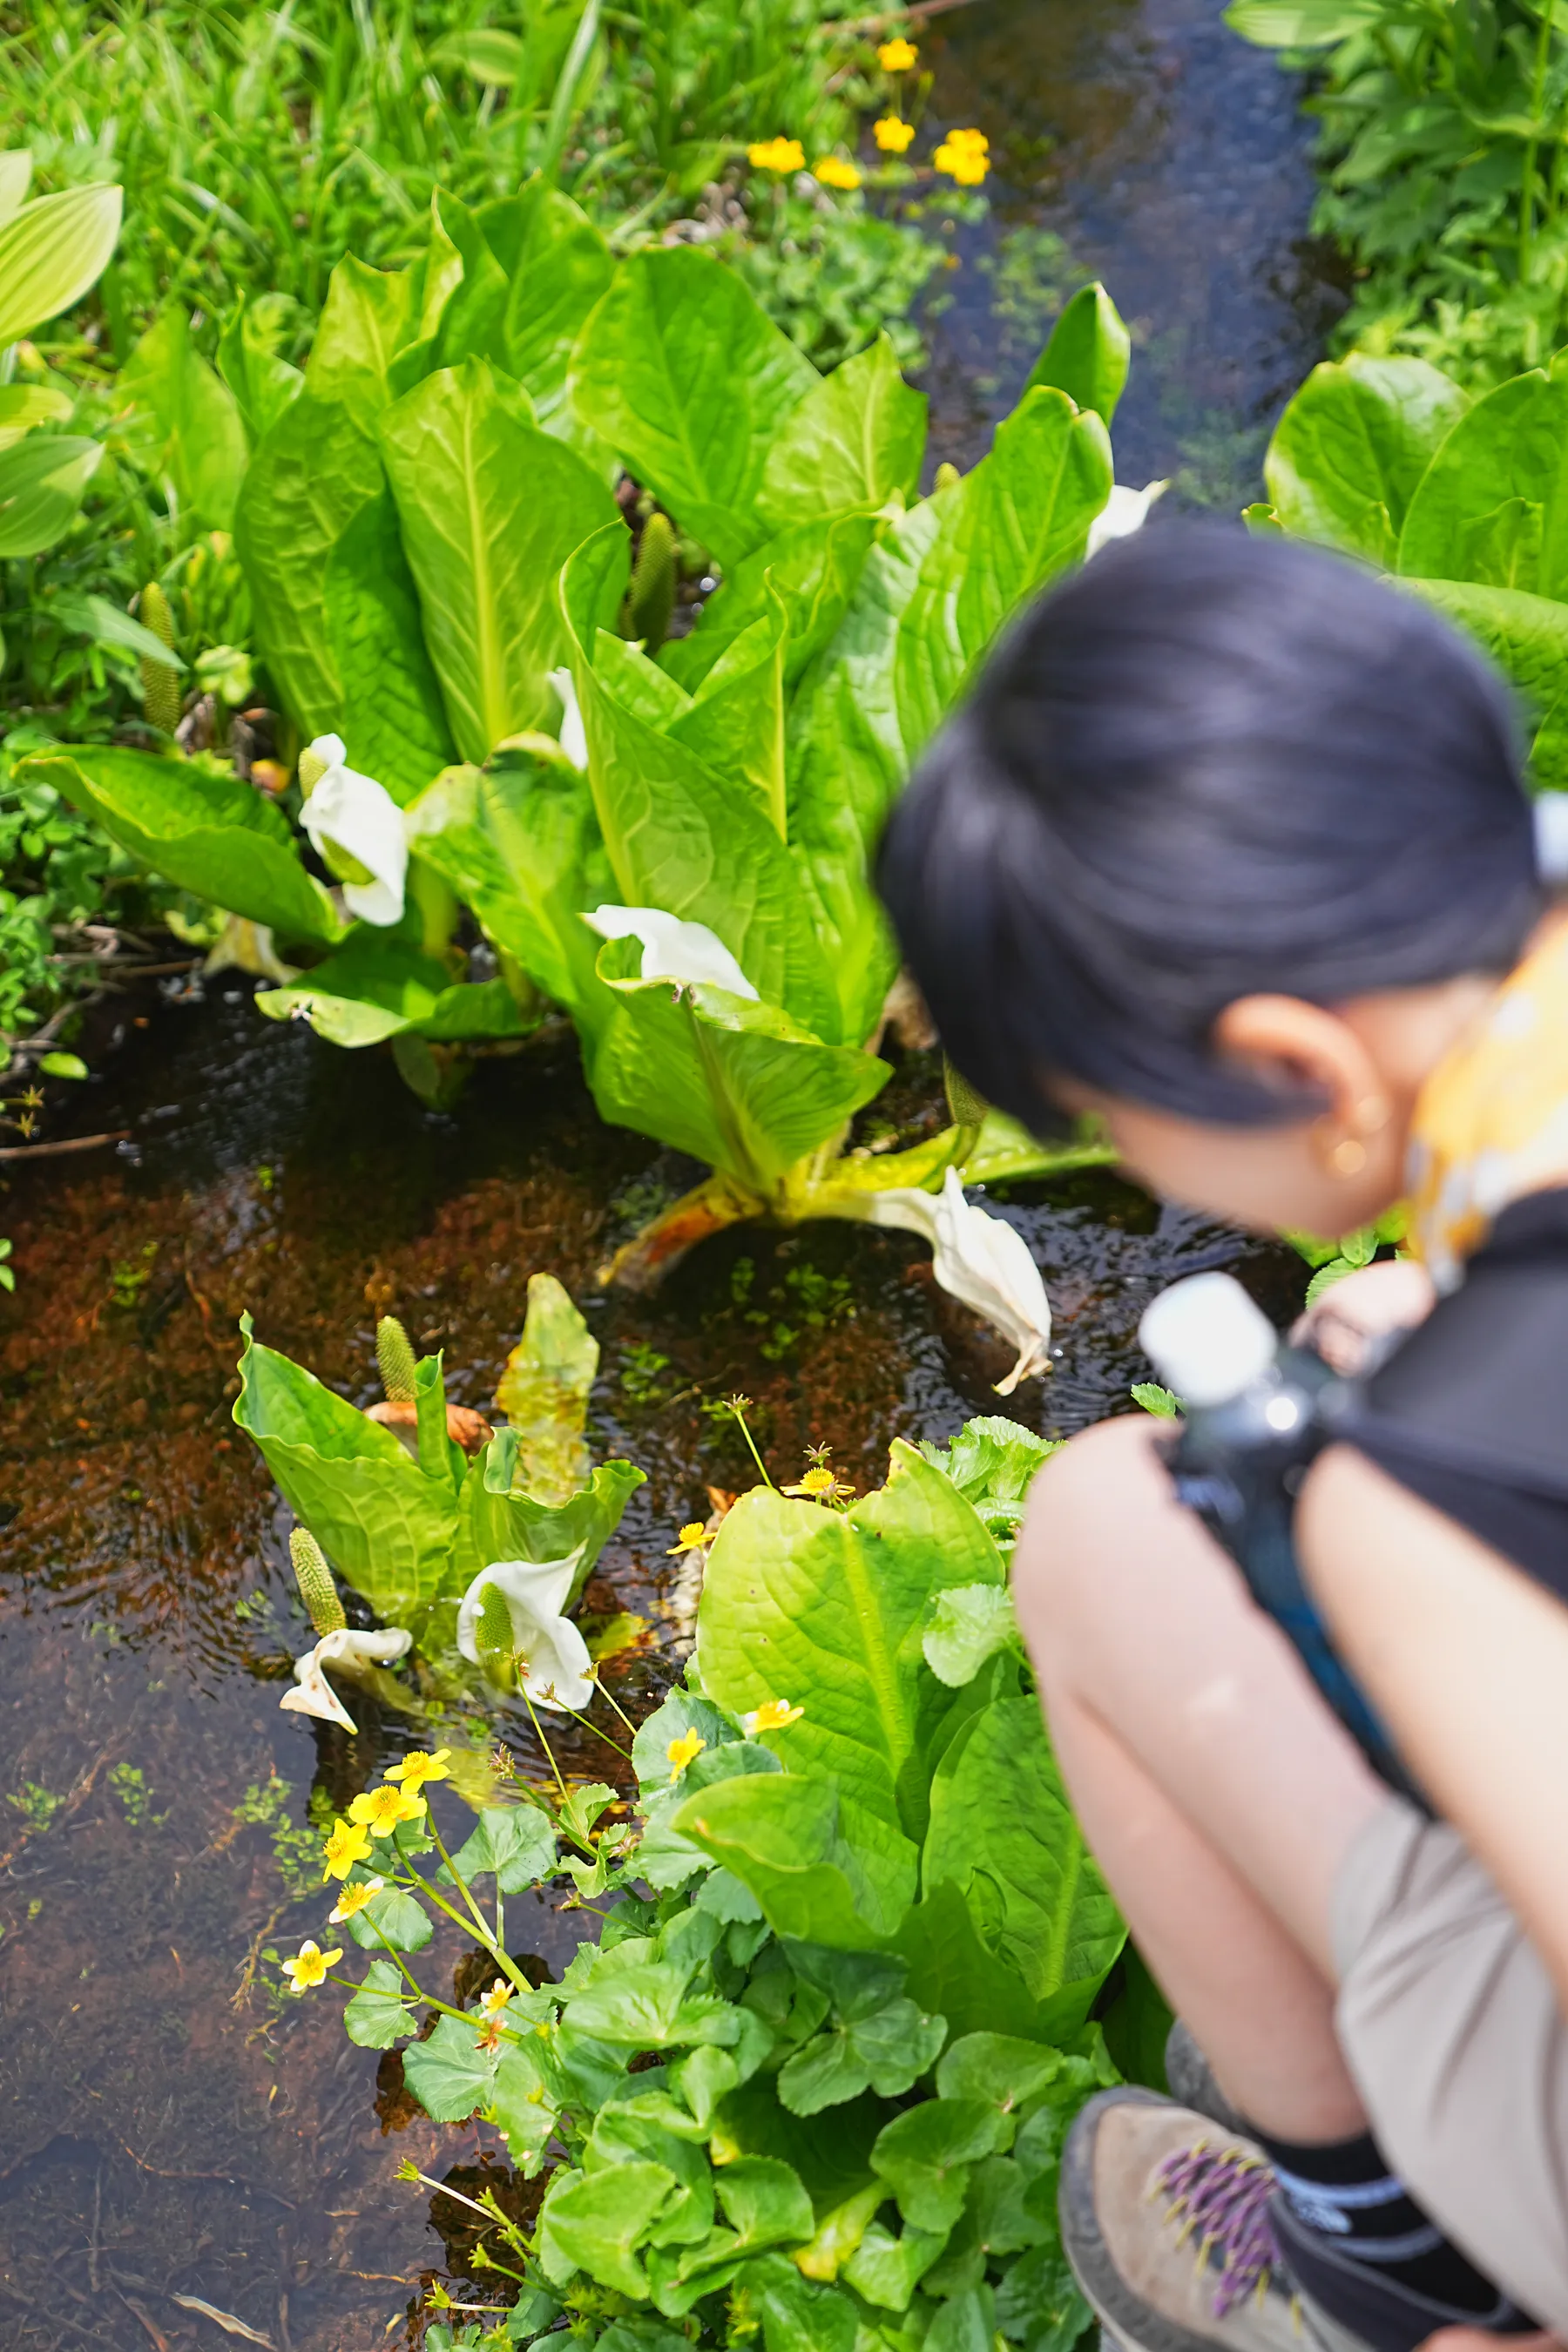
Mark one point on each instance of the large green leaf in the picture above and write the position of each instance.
(1301, 23)
(490, 508)
(1022, 515)
(543, 1391)
(826, 1609)
(379, 984)
(823, 1872)
(1352, 446)
(561, 266)
(687, 378)
(1493, 505)
(364, 326)
(856, 440)
(471, 320)
(386, 1527)
(1089, 353)
(812, 568)
(393, 719)
(519, 844)
(43, 481)
(316, 466)
(952, 1972)
(1003, 1832)
(211, 834)
(262, 384)
(1528, 637)
(450, 2074)
(736, 1084)
(51, 251)
(687, 841)
(498, 1522)
(184, 424)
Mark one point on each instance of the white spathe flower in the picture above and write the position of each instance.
(686, 953)
(1124, 511)
(573, 737)
(554, 1665)
(359, 815)
(981, 1260)
(347, 1646)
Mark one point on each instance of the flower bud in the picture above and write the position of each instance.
(316, 1591)
(394, 1354)
(161, 697)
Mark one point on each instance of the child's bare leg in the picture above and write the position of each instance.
(1216, 1789)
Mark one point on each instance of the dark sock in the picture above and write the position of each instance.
(1345, 2193)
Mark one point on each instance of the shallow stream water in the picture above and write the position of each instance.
(168, 2128)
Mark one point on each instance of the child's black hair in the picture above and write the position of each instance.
(1208, 766)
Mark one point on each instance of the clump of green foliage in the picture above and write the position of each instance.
(1442, 146)
(810, 2087)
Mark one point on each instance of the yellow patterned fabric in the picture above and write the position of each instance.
(1491, 1121)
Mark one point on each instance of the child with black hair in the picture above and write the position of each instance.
(1229, 847)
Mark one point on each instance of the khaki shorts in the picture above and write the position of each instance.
(1452, 2032)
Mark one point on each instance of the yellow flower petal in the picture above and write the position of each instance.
(381, 1810)
(355, 1897)
(776, 155)
(347, 1843)
(833, 172)
(891, 135)
(418, 1767)
(898, 55)
(681, 1751)
(693, 1535)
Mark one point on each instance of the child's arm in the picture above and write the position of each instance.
(1466, 1659)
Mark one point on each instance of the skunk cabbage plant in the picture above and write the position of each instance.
(667, 835)
(1462, 502)
(857, 1972)
(413, 1503)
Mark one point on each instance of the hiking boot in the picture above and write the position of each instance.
(1166, 2222)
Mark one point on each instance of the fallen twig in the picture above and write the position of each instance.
(67, 1143)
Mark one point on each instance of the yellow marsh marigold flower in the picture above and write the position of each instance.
(818, 1484)
(898, 55)
(381, 1808)
(494, 2002)
(776, 155)
(310, 1967)
(891, 135)
(419, 1767)
(967, 165)
(355, 1897)
(349, 1843)
(772, 1715)
(833, 172)
(693, 1537)
(681, 1751)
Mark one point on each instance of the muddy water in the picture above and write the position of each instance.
(168, 2128)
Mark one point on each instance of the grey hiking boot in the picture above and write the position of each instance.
(1166, 2222)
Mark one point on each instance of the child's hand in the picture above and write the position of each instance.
(1367, 1305)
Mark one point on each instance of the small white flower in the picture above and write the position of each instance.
(686, 953)
(573, 737)
(345, 1647)
(981, 1260)
(554, 1665)
(1124, 511)
(359, 817)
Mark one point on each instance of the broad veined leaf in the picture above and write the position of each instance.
(884, 2270)
(1527, 637)
(739, 1084)
(561, 267)
(736, 721)
(513, 1843)
(449, 2074)
(689, 380)
(826, 1610)
(685, 841)
(999, 1815)
(966, 1628)
(796, 2315)
(471, 320)
(183, 424)
(1352, 446)
(886, 2051)
(1001, 2070)
(952, 1973)
(812, 568)
(316, 466)
(1493, 505)
(211, 834)
(262, 384)
(379, 2016)
(1022, 515)
(393, 1916)
(992, 1463)
(924, 2155)
(521, 845)
(105, 623)
(16, 178)
(594, 2222)
(364, 326)
(683, 1712)
(379, 984)
(823, 1871)
(1089, 353)
(543, 1391)
(23, 405)
(855, 440)
(498, 1523)
(51, 251)
(1300, 24)
(490, 508)
(43, 481)
(524, 2107)
(385, 1526)
(393, 719)
(1038, 2301)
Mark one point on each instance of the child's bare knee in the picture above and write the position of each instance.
(1084, 1506)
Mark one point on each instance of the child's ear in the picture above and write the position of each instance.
(1289, 1044)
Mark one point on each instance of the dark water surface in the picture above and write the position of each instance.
(168, 2128)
